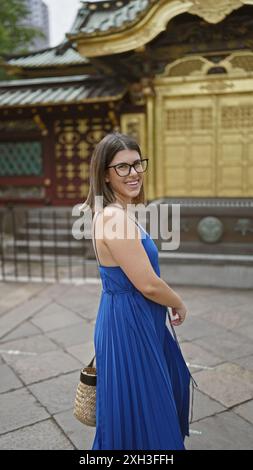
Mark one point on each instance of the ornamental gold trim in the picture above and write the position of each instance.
(214, 11)
(237, 64)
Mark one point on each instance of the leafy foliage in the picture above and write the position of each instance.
(15, 36)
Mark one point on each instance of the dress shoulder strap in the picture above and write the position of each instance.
(94, 237)
(134, 220)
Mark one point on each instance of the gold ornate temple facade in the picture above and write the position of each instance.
(203, 128)
(175, 74)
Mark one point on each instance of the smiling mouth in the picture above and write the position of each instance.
(133, 183)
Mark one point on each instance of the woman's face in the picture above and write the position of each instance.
(120, 185)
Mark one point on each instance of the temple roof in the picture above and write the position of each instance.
(59, 90)
(63, 54)
(99, 17)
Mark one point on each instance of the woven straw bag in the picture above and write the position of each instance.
(85, 400)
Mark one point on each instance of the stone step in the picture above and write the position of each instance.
(205, 258)
(49, 222)
(202, 248)
(34, 258)
(82, 247)
(46, 243)
(50, 233)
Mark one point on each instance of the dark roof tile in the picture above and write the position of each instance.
(100, 17)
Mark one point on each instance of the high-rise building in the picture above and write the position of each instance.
(38, 18)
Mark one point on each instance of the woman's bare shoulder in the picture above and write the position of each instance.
(124, 222)
(113, 211)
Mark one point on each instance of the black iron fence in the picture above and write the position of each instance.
(38, 245)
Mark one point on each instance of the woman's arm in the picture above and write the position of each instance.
(130, 255)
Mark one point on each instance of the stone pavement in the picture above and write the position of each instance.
(46, 336)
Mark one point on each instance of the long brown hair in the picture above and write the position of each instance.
(102, 156)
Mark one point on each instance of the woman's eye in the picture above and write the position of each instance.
(122, 167)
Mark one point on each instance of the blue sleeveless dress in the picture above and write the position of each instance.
(143, 382)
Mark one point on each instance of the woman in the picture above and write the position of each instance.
(142, 378)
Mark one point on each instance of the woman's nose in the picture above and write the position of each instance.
(132, 168)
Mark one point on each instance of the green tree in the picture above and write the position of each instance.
(14, 35)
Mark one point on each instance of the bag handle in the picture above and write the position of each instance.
(193, 382)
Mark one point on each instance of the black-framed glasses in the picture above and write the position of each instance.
(123, 169)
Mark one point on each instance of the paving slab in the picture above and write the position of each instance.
(228, 345)
(197, 357)
(245, 362)
(75, 334)
(228, 383)
(79, 301)
(246, 330)
(24, 330)
(32, 345)
(33, 369)
(40, 436)
(224, 431)
(54, 316)
(230, 318)
(57, 394)
(84, 352)
(55, 291)
(20, 313)
(199, 328)
(245, 411)
(14, 410)
(9, 380)
(80, 435)
(14, 294)
(204, 406)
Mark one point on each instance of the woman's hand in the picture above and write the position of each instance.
(179, 314)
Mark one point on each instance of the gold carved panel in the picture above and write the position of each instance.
(235, 145)
(189, 146)
(134, 124)
(205, 146)
(203, 129)
(75, 139)
(72, 151)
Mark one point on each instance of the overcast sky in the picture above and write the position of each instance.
(61, 16)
